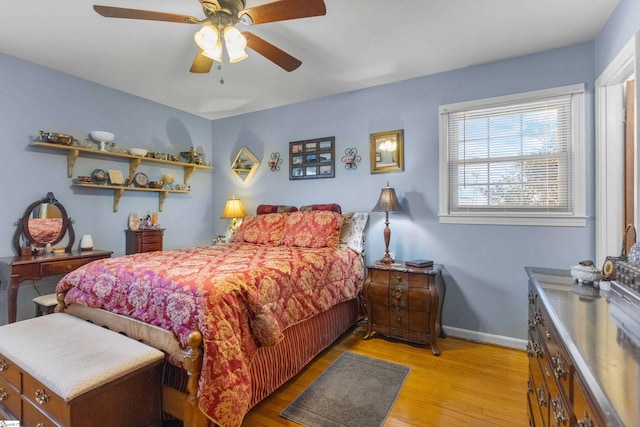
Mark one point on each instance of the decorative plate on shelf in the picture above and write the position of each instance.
(141, 180)
(99, 176)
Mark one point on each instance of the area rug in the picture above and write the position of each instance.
(355, 391)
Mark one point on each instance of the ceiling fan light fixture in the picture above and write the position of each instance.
(235, 43)
(207, 38)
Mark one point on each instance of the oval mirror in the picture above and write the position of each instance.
(44, 222)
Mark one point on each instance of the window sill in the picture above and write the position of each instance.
(548, 220)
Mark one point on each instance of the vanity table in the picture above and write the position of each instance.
(23, 268)
(44, 223)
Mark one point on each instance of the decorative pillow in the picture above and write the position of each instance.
(355, 240)
(323, 207)
(267, 209)
(345, 230)
(261, 229)
(312, 229)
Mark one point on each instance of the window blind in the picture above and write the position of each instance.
(514, 157)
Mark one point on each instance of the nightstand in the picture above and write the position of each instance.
(405, 303)
(145, 240)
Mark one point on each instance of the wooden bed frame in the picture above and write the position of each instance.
(174, 402)
(183, 405)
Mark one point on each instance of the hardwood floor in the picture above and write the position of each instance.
(470, 384)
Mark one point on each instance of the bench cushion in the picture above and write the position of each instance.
(71, 356)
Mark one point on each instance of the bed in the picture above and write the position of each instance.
(238, 320)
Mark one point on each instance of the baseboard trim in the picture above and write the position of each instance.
(483, 337)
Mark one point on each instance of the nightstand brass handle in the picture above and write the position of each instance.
(69, 267)
(40, 425)
(41, 396)
(3, 394)
(399, 279)
(3, 365)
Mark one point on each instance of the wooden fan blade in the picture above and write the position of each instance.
(147, 15)
(201, 64)
(272, 53)
(285, 9)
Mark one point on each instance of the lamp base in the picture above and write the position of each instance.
(386, 259)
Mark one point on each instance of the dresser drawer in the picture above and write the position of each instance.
(32, 417)
(149, 238)
(9, 371)
(62, 267)
(43, 398)
(9, 398)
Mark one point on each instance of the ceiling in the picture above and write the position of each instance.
(358, 44)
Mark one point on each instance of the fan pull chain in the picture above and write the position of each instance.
(221, 77)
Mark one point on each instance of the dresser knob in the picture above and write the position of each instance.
(3, 394)
(3, 365)
(41, 396)
(69, 267)
(40, 425)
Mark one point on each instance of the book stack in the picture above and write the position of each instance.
(419, 263)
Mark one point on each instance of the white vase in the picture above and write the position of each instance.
(86, 243)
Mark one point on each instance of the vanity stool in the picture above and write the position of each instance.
(45, 304)
(64, 371)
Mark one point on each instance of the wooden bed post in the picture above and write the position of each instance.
(192, 362)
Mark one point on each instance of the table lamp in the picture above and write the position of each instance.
(388, 202)
(233, 209)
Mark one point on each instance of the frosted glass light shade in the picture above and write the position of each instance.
(235, 43)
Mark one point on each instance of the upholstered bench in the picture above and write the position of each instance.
(64, 370)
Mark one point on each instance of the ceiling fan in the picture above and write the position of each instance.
(221, 16)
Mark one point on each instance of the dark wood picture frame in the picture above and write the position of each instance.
(312, 158)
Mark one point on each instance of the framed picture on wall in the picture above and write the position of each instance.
(312, 158)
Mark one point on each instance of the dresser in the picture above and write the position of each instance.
(21, 268)
(145, 240)
(584, 358)
(405, 303)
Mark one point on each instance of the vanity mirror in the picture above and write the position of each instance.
(44, 222)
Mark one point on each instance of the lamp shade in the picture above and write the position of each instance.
(388, 202)
(233, 209)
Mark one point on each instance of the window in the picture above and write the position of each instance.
(516, 160)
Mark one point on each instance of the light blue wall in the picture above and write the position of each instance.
(34, 98)
(485, 264)
(623, 23)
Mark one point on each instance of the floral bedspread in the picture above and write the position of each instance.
(240, 296)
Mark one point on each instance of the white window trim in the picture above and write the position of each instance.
(576, 219)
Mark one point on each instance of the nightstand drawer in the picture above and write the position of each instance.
(151, 238)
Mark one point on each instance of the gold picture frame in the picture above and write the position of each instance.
(387, 151)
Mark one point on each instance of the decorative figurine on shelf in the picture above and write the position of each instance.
(351, 158)
(275, 162)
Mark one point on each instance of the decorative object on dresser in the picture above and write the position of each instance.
(144, 240)
(388, 202)
(580, 363)
(88, 375)
(405, 303)
(351, 159)
(86, 243)
(609, 265)
(233, 210)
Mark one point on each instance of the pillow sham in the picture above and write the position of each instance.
(312, 229)
(355, 238)
(264, 229)
(267, 209)
(322, 207)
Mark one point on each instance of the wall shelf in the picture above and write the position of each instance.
(134, 161)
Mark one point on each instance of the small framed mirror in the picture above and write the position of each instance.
(387, 151)
(245, 164)
(44, 222)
